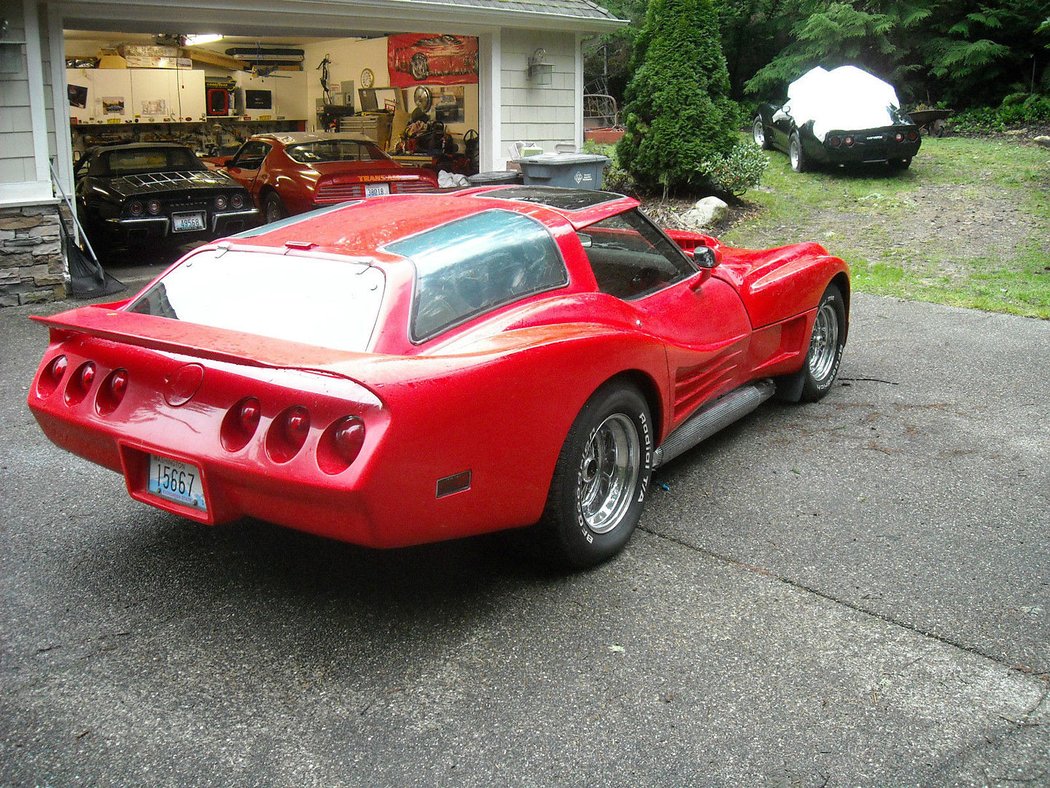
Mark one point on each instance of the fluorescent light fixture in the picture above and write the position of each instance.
(202, 38)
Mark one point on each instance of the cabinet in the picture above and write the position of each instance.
(147, 95)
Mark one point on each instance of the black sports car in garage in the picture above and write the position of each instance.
(150, 192)
(843, 116)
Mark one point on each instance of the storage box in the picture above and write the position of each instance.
(571, 170)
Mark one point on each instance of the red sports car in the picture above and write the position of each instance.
(299, 171)
(423, 367)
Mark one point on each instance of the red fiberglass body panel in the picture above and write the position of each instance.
(404, 442)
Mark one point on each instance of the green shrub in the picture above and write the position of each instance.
(736, 172)
(1017, 109)
(678, 113)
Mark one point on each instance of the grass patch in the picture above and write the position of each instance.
(967, 225)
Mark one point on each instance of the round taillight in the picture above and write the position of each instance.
(237, 201)
(899, 137)
(80, 383)
(112, 391)
(287, 434)
(913, 135)
(51, 376)
(153, 207)
(221, 202)
(835, 142)
(240, 423)
(340, 445)
(848, 141)
(135, 208)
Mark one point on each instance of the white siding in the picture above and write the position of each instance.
(542, 114)
(16, 123)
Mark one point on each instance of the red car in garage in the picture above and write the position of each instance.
(424, 367)
(294, 172)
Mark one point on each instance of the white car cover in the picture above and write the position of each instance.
(844, 98)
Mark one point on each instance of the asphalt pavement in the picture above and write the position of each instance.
(855, 592)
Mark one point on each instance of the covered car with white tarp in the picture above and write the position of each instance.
(841, 116)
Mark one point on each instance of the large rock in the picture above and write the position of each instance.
(706, 212)
(1043, 140)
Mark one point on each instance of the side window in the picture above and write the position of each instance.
(631, 258)
(473, 265)
(251, 155)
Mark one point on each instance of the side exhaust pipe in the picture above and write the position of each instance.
(713, 417)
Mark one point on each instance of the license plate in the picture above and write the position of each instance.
(187, 222)
(176, 481)
(377, 189)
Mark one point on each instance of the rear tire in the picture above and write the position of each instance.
(796, 155)
(600, 480)
(273, 208)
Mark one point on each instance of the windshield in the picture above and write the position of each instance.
(135, 161)
(334, 150)
(326, 303)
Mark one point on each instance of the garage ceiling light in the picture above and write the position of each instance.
(202, 38)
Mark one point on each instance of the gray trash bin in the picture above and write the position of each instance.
(572, 170)
(495, 178)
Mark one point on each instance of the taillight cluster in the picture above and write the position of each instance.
(338, 446)
(79, 384)
(138, 208)
(836, 141)
(234, 201)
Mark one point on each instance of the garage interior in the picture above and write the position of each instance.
(212, 92)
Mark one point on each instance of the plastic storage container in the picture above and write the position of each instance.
(572, 170)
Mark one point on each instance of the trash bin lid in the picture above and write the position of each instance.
(564, 159)
(497, 176)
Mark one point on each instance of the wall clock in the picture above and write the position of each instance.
(368, 78)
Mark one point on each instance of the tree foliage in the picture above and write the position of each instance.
(677, 107)
(956, 51)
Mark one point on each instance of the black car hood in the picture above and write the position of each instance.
(150, 183)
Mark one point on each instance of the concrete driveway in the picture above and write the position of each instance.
(850, 593)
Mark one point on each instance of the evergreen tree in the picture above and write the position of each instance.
(678, 113)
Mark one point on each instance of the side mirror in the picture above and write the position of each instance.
(704, 257)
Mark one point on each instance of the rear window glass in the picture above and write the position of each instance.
(326, 303)
(136, 161)
(472, 265)
(334, 150)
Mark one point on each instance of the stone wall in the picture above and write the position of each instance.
(32, 266)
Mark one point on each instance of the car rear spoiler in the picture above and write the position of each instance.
(206, 342)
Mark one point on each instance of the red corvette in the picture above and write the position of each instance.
(294, 172)
(423, 367)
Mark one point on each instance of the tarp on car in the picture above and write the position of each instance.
(845, 98)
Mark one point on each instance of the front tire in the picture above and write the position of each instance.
(825, 346)
(758, 131)
(600, 480)
(796, 155)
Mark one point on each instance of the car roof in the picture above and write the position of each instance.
(361, 228)
(301, 137)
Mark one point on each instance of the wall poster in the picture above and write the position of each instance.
(431, 59)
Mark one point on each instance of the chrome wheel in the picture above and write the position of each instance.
(824, 343)
(794, 154)
(608, 473)
(759, 133)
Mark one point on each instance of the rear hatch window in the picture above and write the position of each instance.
(316, 301)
